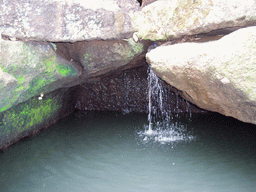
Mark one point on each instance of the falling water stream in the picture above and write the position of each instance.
(160, 128)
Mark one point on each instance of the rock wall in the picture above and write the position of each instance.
(127, 91)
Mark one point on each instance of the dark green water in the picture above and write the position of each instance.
(103, 152)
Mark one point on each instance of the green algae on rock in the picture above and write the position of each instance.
(102, 57)
(29, 68)
(34, 114)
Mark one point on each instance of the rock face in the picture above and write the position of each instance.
(31, 116)
(218, 76)
(101, 57)
(168, 19)
(127, 91)
(56, 20)
(28, 69)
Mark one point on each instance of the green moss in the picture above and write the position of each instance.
(34, 68)
(21, 79)
(53, 66)
(88, 60)
(28, 115)
(5, 107)
(20, 88)
(66, 70)
(49, 63)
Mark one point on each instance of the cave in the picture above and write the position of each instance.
(91, 101)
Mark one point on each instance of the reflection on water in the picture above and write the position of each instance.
(98, 151)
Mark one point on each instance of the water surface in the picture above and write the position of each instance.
(102, 151)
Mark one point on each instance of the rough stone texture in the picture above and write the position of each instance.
(218, 76)
(127, 91)
(28, 69)
(168, 19)
(64, 20)
(31, 116)
(101, 57)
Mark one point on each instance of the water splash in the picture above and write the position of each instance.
(161, 126)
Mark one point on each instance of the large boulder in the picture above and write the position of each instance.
(168, 19)
(76, 20)
(31, 68)
(218, 76)
(101, 57)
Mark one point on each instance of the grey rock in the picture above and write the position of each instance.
(56, 20)
(168, 19)
(101, 57)
(217, 76)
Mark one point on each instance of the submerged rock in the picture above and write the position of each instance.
(168, 19)
(76, 20)
(30, 68)
(217, 76)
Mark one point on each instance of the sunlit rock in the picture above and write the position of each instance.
(218, 76)
(168, 19)
(76, 20)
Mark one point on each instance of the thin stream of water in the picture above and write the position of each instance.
(149, 101)
(159, 128)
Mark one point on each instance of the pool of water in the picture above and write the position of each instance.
(107, 151)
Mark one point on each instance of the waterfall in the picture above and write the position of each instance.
(149, 101)
(155, 93)
(160, 127)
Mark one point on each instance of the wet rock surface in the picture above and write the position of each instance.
(127, 91)
(35, 114)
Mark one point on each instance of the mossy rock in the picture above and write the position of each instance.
(28, 69)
